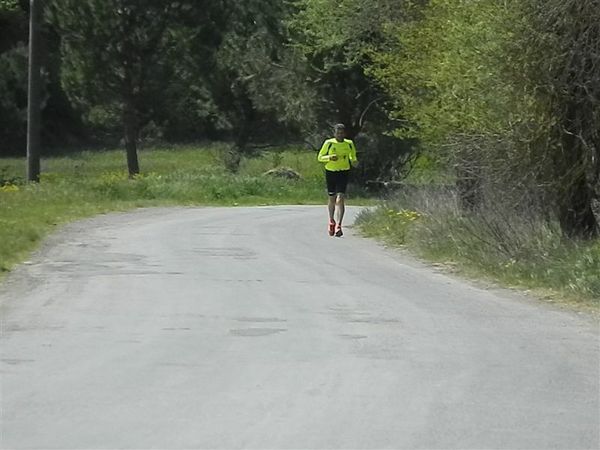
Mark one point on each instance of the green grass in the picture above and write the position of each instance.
(532, 258)
(88, 183)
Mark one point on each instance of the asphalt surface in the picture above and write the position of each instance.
(251, 328)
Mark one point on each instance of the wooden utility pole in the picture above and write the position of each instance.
(34, 93)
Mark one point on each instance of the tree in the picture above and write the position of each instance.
(13, 98)
(13, 75)
(60, 123)
(445, 74)
(511, 90)
(243, 61)
(116, 55)
(560, 51)
(336, 38)
(318, 76)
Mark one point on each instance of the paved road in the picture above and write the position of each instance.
(250, 328)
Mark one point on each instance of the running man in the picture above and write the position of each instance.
(339, 155)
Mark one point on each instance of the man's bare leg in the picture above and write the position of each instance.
(341, 209)
(331, 208)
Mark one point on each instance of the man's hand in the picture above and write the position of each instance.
(333, 158)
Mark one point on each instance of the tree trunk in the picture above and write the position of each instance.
(468, 175)
(130, 123)
(576, 216)
(468, 186)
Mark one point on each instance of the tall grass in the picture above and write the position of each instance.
(517, 248)
(88, 183)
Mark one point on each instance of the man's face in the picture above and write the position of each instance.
(340, 134)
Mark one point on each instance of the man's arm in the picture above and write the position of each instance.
(323, 153)
(352, 156)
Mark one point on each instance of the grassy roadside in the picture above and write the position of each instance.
(535, 259)
(89, 183)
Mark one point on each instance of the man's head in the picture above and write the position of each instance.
(339, 131)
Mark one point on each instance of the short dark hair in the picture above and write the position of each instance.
(339, 127)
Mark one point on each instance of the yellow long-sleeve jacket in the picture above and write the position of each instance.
(345, 152)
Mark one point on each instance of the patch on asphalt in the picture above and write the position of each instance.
(260, 319)
(257, 331)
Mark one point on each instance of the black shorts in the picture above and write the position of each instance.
(337, 181)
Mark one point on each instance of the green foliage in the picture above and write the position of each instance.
(427, 170)
(113, 50)
(447, 71)
(121, 56)
(332, 43)
(507, 93)
(252, 72)
(243, 79)
(59, 123)
(13, 98)
(343, 33)
(13, 76)
(8, 5)
(335, 38)
(185, 66)
(13, 25)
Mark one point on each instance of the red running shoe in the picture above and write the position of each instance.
(339, 232)
(331, 227)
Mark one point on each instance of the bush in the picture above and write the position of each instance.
(519, 249)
